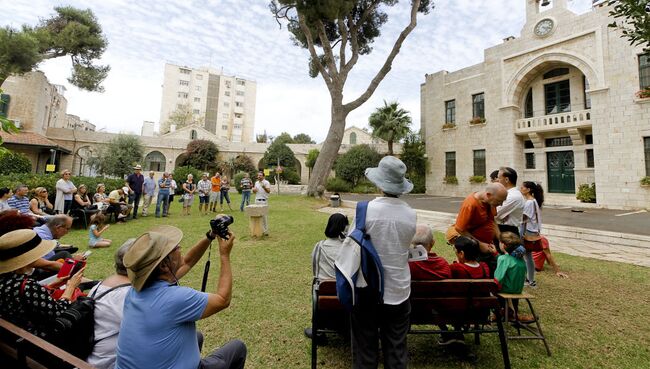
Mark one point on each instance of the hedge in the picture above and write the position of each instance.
(14, 163)
(49, 182)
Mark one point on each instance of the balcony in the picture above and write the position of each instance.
(554, 122)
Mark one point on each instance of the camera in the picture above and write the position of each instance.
(220, 225)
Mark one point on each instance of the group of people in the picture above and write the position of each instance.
(142, 315)
(495, 231)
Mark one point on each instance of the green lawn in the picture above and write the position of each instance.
(596, 319)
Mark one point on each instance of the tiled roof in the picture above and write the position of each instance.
(27, 138)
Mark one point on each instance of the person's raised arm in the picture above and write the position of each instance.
(193, 256)
(221, 299)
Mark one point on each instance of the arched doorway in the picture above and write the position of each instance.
(83, 162)
(155, 161)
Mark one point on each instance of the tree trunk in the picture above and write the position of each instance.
(390, 147)
(330, 148)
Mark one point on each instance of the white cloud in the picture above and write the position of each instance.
(244, 39)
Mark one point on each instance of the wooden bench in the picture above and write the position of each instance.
(30, 351)
(462, 303)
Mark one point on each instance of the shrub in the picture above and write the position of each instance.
(290, 175)
(14, 162)
(49, 182)
(352, 165)
(451, 180)
(365, 186)
(180, 176)
(477, 120)
(338, 185)
(448, 125)
(477, 179)
(645, 181)
(586, 193)
(419, 183)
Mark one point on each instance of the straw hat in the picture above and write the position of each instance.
(138, 167)
(389, 176)
(21, 248)
(148, 251)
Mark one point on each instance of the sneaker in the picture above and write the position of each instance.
(532, 284)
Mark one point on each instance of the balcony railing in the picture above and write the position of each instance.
(574, 119)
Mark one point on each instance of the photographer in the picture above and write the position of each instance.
(158, 329)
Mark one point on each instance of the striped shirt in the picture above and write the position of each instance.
(204, 187)
(20, 204)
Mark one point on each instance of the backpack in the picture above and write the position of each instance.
(359, 272)
(75, 327)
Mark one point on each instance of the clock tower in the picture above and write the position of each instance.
(534, 8)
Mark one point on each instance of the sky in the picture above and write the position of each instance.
(243, 39)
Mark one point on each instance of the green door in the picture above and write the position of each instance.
(560, 172)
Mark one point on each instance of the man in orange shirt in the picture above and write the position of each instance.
(215, 191)
(476, 219)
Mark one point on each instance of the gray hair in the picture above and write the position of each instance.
(19, 187)
(59, 220)
(423, 236)
(119, 256)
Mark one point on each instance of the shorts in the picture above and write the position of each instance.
(214, 196)
(204, 199)
(188, 200)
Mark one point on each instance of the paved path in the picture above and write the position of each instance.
(568, 244)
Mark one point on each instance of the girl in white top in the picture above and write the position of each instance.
(532, 221)
(326, 251)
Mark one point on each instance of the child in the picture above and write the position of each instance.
(97, 227)
(511, 268)
(467, 267)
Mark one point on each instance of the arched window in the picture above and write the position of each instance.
(353, 138)
(155, 161)
(193, 134)
(528, 105)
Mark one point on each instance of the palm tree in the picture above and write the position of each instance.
(390, 122)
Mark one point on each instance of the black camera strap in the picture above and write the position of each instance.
(206, 270)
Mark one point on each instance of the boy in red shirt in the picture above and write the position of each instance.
(467, 267)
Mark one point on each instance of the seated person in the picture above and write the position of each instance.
(511, 268)
(118, 204)
(95, 231)
(40, 205)
(326, 251)
(20, 202)
(434, 267)
(35, 309)
(511, 271)
(159, 323)
(5, 194)
(81, 201)
(540, 257)
(467, 267)
(100, 198)
(108, 311)
(55, 228)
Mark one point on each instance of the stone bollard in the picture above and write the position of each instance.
(255, 214)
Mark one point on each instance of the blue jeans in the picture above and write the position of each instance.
(245, 197)
(163, 198)
(224, 195)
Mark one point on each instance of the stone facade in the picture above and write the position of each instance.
(34, 103)
(559, 107)
(225, 104)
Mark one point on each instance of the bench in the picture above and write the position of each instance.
(30, 351)
(462, 303)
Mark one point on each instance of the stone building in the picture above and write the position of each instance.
(224, 104)
(560, 104)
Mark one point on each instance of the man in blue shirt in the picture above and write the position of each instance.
(164, 184)
(55, 228)
(149, 189)
(158, 328)
(19, 200)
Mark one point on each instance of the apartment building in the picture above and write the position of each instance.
(223, 105)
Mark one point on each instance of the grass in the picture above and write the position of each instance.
(596, 319)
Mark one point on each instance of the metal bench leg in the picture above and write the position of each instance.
(539, 327)
(503, 340)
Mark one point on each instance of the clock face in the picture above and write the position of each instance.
(544, 27)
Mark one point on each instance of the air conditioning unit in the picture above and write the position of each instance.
(17, 123)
